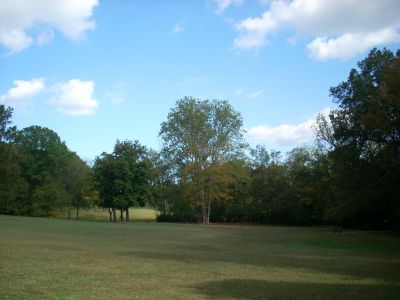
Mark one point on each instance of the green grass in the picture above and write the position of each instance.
(67, 259)
(100, 214)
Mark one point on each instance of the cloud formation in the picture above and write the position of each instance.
(22, 92)
(285, 134)
(23, 22)
(75, 98)
(339, 29)
(255, 94)
(222, 5)
(240, 92)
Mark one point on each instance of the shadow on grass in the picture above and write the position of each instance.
(357, 268)
(261, 289)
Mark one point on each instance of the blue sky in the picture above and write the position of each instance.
(98, 71)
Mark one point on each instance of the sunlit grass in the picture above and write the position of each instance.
(67, 259)
(101, 214)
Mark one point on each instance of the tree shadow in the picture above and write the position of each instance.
(262, 289)
(357, 268)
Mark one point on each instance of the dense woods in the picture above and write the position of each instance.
(206, 172)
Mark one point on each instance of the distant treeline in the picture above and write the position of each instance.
(206, 172)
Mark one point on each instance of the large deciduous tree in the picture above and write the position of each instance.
(123, 177)
(44, 158)
(363, 136)
(13, 187)
(201, 137)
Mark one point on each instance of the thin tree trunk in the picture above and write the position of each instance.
(209, 204)
(114, 214)
(127, 214)
(110, 213)
(203, 201)
(78, 207)
(203, 206)
(121, 215)
(69, 206)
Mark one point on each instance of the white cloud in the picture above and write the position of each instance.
(75, 98)
(285, 134)
(222, 5)
(240, 92)
(14, 40)
(22, 92)
(255, 94)
(253, 31)
(23, 21)
(349, 44)
(178, 28)
(334, 25)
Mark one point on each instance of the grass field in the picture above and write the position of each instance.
(100, 214)
(67, 259)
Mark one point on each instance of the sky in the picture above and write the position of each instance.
(95, 71)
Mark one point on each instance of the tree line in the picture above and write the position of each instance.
(206, 172)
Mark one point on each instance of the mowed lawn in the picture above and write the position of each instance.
(100, 214)
(67, 259)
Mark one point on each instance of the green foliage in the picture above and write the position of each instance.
(13, 187)
(45, 156)
(47, 199)
(199, 138)
(364, 143)
(123, 177)
(202, 173)
(6, 132)
(37, 170)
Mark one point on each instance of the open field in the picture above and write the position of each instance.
(60, 259)
(100, 214)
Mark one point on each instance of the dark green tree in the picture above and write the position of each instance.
(363, 138)
(13, 187)
(123, 177)
(44, 159)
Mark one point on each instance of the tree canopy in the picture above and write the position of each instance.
(206, 172)
(200, 137)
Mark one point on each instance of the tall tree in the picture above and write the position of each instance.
(44, 161)
(123, 177)
(200, 136)
(363, 136)
(13, 187)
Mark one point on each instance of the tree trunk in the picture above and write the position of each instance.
(110, 213)
(121, 215)
(209, 204)
(208, 211)
(203, 207)
(69, 206)
(203, 200)
(78, 207)
(127, 214)
(114, 211)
